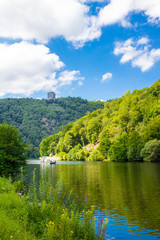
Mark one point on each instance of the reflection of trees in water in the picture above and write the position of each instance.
(131, 190)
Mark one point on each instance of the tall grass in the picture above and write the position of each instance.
(44, 213)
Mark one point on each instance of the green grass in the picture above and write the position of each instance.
(44, 213)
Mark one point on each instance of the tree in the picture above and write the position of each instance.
(118, 150)
(104, 146)
(134, 147)
(11, 150)
(72, 153)
(93, 129)
(151, 151)
(153, 129)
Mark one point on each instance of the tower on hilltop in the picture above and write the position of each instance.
(51, 95)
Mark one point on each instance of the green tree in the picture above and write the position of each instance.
(96, 156)
(93, 129)
(11, 150)
(153, 129)
(151, 151)
(104, 146)
(118, 150)
(134, 147)
(72, 155)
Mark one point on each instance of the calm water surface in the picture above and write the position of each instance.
(127, 193)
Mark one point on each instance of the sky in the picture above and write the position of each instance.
(96, 50)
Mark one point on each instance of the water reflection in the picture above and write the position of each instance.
(129, 192)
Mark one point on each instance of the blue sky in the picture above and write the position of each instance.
(93, 49)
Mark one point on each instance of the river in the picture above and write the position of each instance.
(128, 194)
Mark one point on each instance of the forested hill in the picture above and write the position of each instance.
(127, 129)
(37, 119)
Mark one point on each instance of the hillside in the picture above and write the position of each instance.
(127, 129)
(37, 119)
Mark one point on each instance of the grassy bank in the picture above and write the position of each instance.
(44, 213)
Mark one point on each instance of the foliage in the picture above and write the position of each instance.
(104, 146)
(11, 150)
(46, 213)
(118, 150)
(37, 119)
(152, 130)
(119, 131)
(151, 151)
(134, 146)
(72, 155)
(96, 156)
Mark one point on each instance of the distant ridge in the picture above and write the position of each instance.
(37, 119)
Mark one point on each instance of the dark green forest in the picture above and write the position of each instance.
(127, 129)
(37, 119)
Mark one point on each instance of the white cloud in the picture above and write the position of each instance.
(118, 11)
(42, 20)
(67, 77)
(106, 77)
(26, 68)
(138, 52)
(80, 83)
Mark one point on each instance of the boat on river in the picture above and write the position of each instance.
(48, 160)
(52, 162)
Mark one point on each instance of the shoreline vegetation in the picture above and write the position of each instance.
(45, 212)
(127, 130)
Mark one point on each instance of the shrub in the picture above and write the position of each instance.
(95, 156)
(151, 151)
(72, 153)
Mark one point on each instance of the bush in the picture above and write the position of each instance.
(62, 156)
(81, 155)
(72, 153)
(151, 151)
(95, 156)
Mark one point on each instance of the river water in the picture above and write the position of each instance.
(128, 194)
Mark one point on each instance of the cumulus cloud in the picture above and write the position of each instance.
(72, 19)
(67, 77)
(106, 77)
(26, 68)
(117, 11)
(138, 53)
(42, 20)
(80, 83)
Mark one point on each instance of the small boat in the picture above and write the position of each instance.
(52, 162)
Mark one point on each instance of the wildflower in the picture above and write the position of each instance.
(101, 221)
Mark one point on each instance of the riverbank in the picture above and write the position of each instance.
(44, 213)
